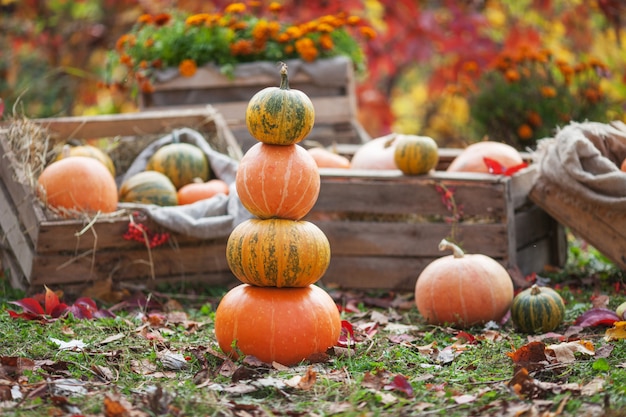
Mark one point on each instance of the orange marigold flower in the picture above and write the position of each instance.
(148, 43)
(325, 28)
(242, 47)
(162, 19)
(511, 75)
(124, 40)
(273, 29)
(145, 19)
(235, 8)
(367, 32)
(283, 38)
(143, 64)
(275, 7)
(326, 42)
(198, 19)
(354, 20)
(525, 131)
(126, 60)
(592, 94)
(548, 91)
(260, 30)
(306, 49)
(534, 118)
(294, 32)
(187, 67)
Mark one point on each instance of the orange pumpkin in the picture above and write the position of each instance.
(328, 159)
(278, 252)
(463, 290)
(378, 153)
(278, 181)
(284, 325)
(471, 159)
(79, 184)
(200, 190)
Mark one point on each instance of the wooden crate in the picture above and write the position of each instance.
(602, 227)
(384, 227)
(39, 248)
(334, 100)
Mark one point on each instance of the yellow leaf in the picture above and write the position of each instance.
(618, 331)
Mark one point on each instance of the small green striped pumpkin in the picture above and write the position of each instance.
(537, 310)
(149, 187)
(278, 252)
(415, 155)
(180, 162)
(280, 115)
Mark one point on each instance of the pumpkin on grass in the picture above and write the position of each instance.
(472, 158)
(149, 187)
(180, 162)
(416, 155)
(278, 252)
(78, 184)
(537, 309)
(278, 181)
(90, 151)
(199, 190)
(463, 290)
(284, 325)
(280, 115)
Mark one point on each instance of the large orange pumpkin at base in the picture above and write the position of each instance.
(278, 181)
(284, 325)
(78, 184)
(463, 290)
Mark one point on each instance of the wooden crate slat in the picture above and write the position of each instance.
(602, 227)
(22, 199)
(403, 239)
(131, 263)
(393, 193)
(13, 236)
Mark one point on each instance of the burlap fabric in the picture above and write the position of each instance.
(583, 159)
(206, 219)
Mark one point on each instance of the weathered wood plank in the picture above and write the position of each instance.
(602, 227)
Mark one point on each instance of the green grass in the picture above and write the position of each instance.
(346, 384)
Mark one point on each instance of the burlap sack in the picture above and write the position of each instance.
(206, 219)
(584, 160)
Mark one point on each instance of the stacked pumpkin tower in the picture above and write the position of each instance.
(278, 314)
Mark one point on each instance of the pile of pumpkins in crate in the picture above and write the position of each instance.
(278, 181)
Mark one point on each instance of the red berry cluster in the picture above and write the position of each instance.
(140, 233)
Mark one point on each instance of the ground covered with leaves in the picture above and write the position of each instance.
(154, 353)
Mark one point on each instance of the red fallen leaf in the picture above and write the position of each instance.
(531, 356)
(495, 167)
(400, 383)
(468, 337)
(346, 337)
(597, 317)
(53, 308)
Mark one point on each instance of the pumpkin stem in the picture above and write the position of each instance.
(390, 140)
(534, 290)
(284, 79)
(447, 245)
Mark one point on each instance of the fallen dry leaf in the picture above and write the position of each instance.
(531, 356)
(593, 387)
(565, 352)
(303, 382)
(617, 332)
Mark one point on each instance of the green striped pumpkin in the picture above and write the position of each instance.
(278, 252)
(180, 162)
(415, 155)
(537, 310)
(280, 115)
(149, 187)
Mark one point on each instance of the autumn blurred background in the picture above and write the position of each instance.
(456, 70)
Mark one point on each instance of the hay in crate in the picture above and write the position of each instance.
(41, 246)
